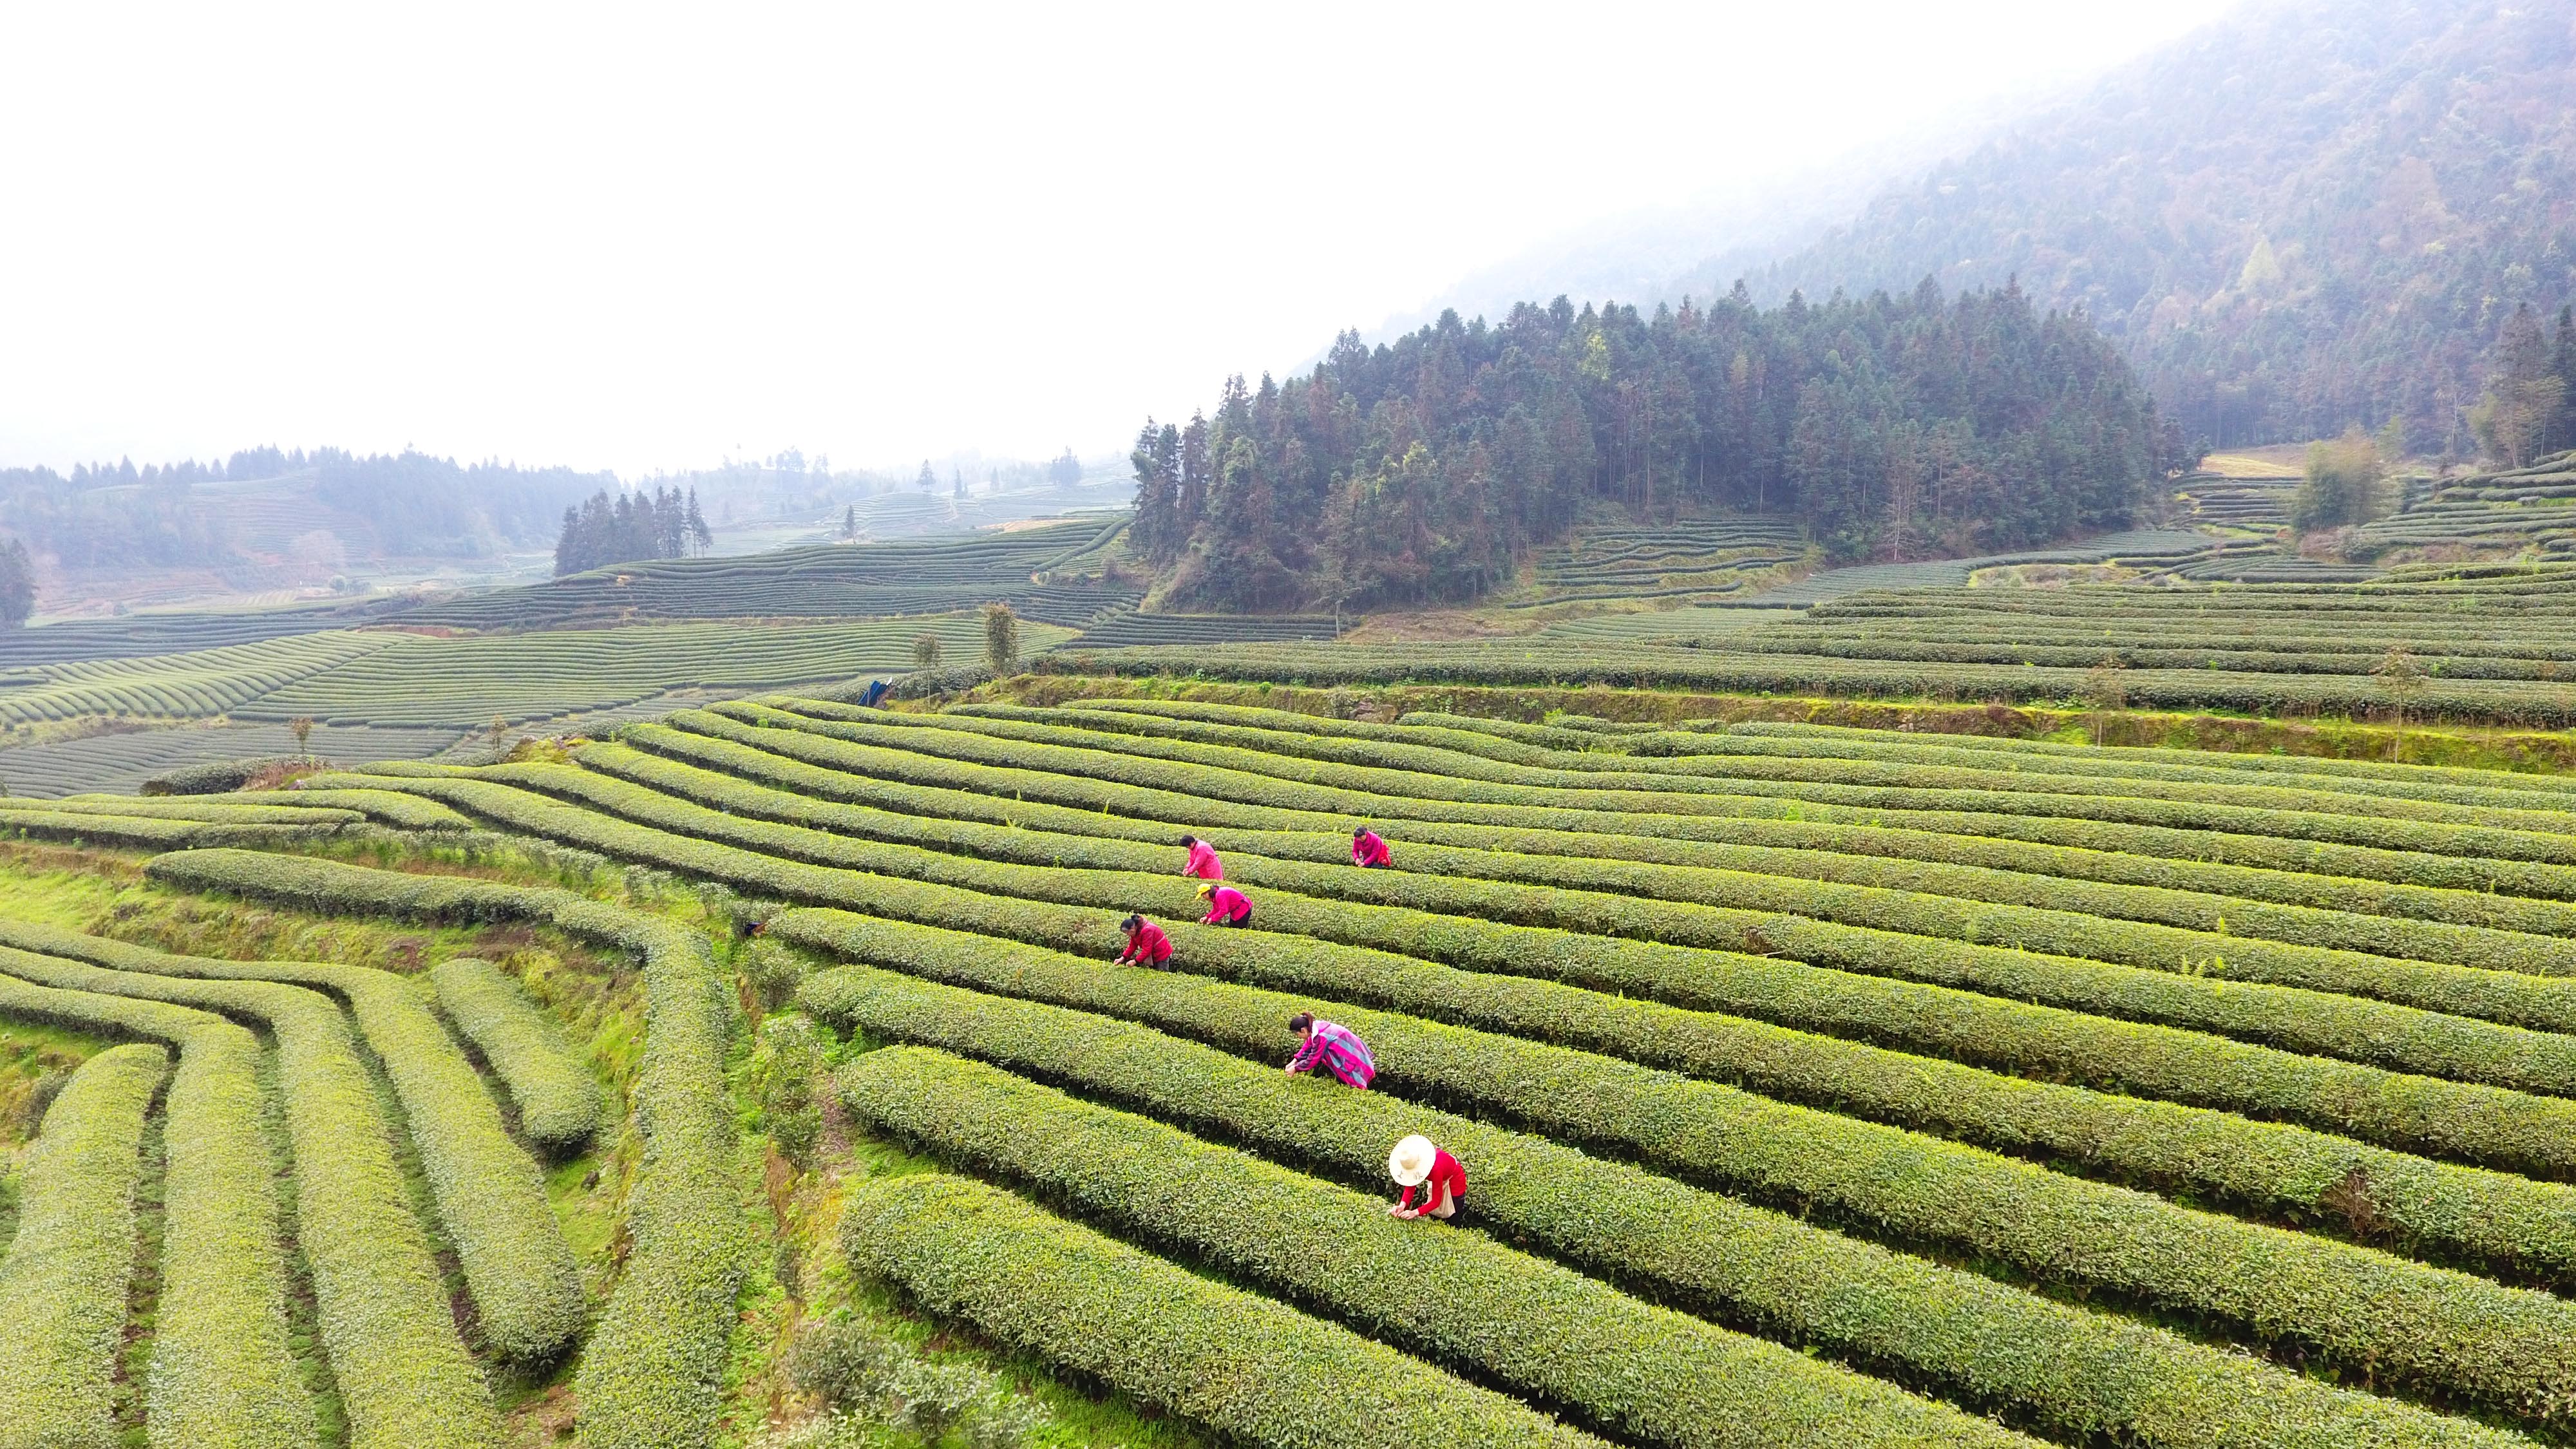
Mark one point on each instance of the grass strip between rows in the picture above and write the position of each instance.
(403, 1372)
(557, 1098)
(652, 1373)
(2447, 1334)
(1256, 1371)
(490, 1197)
(223, 1367)
(1646, 1374)
(63, 1283)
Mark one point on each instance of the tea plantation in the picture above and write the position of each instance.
(1813, 1086)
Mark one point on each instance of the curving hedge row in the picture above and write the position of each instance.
(2475, 1123)
(557, 1098)
(63, 1282)
(961, 736)
(1459, 917)
(2064, 1370)
(2395, 851)
(490, 1198)
(1715, 763)
(652, 1373)
(863, 774)
(1556, 664)
(2451, 969)
(405, 812)
(1655, 750)
(200, 809)
(223, 1368)
(1256, 1371)
(2497, 1221)
(2217, 897)
(2542, 789)
(33, 821)
(2396, 1321)
(1647, 1374)
(403, 1372)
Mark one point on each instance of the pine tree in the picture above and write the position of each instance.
(928, 480)
(2562, 366)
(2523, 393)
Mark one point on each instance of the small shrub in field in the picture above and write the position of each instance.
(790, 1058)
(868, 1381)
(773, 971)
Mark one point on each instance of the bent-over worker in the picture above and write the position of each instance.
(1226, 906)
(1202, 862)
(1368, 849)
(1146, 943)
(1416, 1163)
(1337, 1048)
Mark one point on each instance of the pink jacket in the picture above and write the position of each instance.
(1203, 863)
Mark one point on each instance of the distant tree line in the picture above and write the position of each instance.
(120, 516)
(1894, 427)
(630, 528)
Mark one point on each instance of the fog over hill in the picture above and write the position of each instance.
(2301, 216)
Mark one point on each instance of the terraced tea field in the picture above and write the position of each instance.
(1671, 562)
(462, 681)
(1813, 1086)
(926, 576)
(454, 683)
(1128, 627)
(2486, 643)
(120, 763)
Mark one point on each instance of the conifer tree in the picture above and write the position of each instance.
(17, 584)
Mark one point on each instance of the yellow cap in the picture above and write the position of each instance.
(1206, 890)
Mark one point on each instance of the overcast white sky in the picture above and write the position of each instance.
(637, 237)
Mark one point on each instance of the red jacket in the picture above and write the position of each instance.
(1367, 848)
(1203, 863)
(1226, 904)
(1445, 1173)
(1146, 946)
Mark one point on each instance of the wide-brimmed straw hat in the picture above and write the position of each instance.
(1410, 1162)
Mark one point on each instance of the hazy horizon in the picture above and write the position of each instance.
(649, 240)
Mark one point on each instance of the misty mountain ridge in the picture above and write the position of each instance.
(2300, 217)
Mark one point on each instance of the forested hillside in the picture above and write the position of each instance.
(1894, 427)
(2309, 215)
